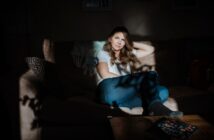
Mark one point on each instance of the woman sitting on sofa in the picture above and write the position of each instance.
(120, 83)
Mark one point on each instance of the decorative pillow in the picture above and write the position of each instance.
(37, 66)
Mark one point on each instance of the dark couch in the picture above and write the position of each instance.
(69, 109)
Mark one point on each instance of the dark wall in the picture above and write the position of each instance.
(14, 46)
(157, 19)
(24, 24)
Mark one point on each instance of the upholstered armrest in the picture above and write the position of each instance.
(29, 106)
(148, 62)
(26, 85)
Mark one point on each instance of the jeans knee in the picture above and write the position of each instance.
(163, 93)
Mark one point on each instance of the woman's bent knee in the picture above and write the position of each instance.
(163, 93)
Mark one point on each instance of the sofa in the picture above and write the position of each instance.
(69, 109)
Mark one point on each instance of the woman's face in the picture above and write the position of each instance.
(117, 41)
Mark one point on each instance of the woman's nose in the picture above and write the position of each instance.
(120, 41)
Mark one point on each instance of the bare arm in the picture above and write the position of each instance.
(143, 49)
(102, 69)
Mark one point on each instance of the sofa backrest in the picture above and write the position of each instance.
(76, 63)
(172, 60)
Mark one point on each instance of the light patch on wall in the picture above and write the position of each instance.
(138, 25)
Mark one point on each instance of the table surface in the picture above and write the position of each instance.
(136, 127)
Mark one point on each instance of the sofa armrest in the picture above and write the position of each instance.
(29, 106)
(148, 62)
(26, 86)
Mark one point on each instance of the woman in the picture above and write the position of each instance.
(121, 83)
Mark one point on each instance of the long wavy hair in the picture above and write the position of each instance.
(126, 56)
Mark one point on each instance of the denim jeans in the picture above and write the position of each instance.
(133, 90)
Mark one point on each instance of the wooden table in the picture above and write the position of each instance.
(136, 127)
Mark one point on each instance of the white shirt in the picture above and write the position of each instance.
(103, 56)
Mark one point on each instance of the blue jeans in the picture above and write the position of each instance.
(133, 90)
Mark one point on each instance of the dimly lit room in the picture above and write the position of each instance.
(49, 60)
